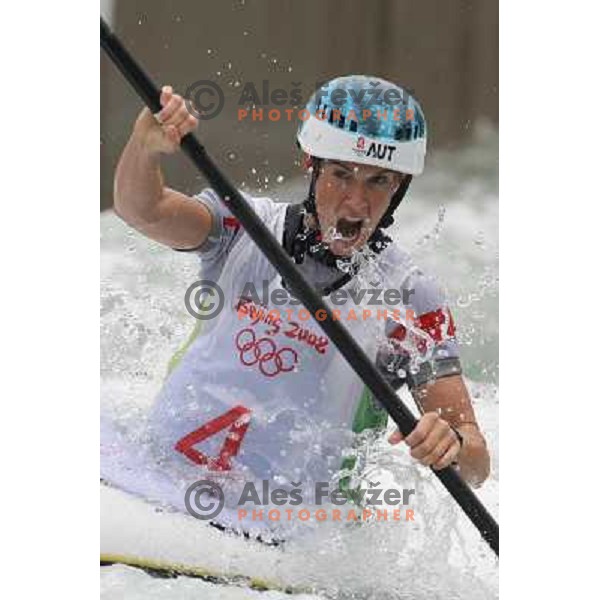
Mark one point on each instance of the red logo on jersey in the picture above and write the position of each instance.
(432, 324)
(263, 352)
(231, 222)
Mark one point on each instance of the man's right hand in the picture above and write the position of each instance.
(162, 133)
(140, 195)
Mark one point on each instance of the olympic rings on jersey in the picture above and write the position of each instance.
(263, 351)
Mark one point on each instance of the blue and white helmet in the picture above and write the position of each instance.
(365, 120)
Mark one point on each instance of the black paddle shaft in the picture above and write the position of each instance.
(302, 290)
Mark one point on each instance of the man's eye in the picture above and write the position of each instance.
(380, 180)
(340, 174)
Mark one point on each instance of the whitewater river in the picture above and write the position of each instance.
(449, 223)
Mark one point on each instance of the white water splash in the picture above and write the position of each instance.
(144, 321)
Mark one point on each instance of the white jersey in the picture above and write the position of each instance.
(269, 398)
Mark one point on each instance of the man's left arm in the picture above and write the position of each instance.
(447, 431)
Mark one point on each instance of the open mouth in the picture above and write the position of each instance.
(349, 228)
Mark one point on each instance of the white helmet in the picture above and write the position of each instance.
(365, 120)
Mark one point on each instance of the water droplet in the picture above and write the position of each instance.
(280, 178)
(289, 69)
(463, 301)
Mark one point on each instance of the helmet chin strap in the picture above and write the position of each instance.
(308, 239)
(388, 218)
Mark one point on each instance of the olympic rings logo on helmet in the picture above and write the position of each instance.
(263, 351)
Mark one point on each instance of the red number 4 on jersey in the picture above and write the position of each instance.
(237, 419)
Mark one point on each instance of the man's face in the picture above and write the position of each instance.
(351, 198)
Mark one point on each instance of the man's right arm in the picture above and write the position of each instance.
(140, 196)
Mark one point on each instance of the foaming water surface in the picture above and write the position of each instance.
(448, 223)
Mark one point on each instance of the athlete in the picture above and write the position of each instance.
(260, 370)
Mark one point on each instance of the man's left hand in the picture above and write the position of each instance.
(432, 442)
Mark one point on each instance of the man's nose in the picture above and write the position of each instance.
(357, 197)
